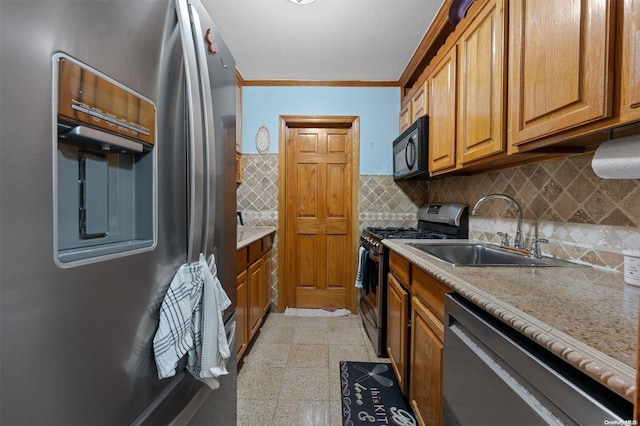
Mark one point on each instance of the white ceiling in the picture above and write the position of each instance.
(328, 40)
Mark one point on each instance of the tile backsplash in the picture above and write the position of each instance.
(258, 192)
(585, 218)
(257, 199)
(383, 202)
(559, 190)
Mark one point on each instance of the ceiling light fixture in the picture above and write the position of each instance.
(301, 1)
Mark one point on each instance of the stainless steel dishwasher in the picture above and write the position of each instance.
(493, 375)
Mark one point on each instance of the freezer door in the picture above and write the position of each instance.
(186, 401)
(76, 343)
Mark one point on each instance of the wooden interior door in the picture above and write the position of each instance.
(319, 231)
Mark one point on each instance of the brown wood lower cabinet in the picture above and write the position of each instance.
(256, 275)
(426, 364)
(397, 329)
(242, 335)
(415, 348)
(254, 290)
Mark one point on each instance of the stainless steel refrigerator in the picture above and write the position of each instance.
(117, 166)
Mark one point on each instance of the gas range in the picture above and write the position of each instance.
(435, 221)
(371, 236)
(406, 233)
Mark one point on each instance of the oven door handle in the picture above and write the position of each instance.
(375, 257)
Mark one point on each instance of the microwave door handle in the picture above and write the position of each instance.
(410, 159)
(195, 136)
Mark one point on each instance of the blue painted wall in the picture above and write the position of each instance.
(377, 107)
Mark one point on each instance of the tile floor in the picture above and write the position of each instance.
(291, 374)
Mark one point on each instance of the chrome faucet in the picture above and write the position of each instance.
(517, 242)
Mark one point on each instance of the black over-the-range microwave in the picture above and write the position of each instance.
(410, 151)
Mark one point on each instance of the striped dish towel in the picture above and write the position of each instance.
(362, 258)
(180, 308)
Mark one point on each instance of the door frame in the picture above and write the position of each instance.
(323, 121)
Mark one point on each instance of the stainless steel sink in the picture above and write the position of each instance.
(479, 254)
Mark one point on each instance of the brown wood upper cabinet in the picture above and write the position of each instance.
(572, 74)
(561, 66)
(481, 84)
(405, 114)
(442, 118)
(416, 104)
(629, 56)
(420, 102)
(238, 112)
(467, 94)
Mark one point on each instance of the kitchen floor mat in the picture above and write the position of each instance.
(371, 396)
(300, 312)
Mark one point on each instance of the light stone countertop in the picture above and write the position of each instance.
(248, 234)
(587, 316)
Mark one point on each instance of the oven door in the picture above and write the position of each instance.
(373, 300)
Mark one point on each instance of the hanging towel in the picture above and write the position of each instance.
(179, 309)
(362, 259)
(191, 323)
(212, 351)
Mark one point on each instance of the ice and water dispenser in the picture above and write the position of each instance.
(105, 167)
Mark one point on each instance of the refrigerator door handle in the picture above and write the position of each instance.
(195, 137)
(209, 140)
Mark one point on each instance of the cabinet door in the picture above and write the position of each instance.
(481, 81)
(419, 102)
(405, 116)
(397, 326)
(238, 168)
(400, 267)
(426, 364)
(238, 113)
(242, 328)
(266, 283)
(255, 281)
(442, 113)
(560, 74)
(630, 73)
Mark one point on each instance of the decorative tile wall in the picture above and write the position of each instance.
(257, 199)
(258, 192)
(586, 218)
(383, 202)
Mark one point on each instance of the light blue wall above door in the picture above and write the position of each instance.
(377, 107)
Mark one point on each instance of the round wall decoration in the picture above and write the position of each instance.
(262, 140)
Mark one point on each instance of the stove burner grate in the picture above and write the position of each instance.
(406, 233)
